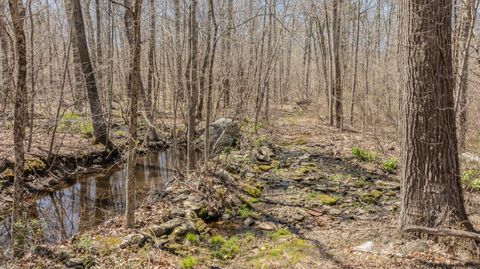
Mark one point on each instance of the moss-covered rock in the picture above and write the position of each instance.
(252, 190)
(34, 165)
(372, 197)
(327, 199)
(261, 168)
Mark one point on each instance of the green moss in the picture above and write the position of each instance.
(244, 211)
(471, 180)
(203, 212)
(287, 253)
(323, 199)
(248, 236)
(282, 232)
(327, 199)
(191, 237)
(188, 262)
(106, 245)
(390, 165)
(228, 250)
(120, 133)
(84, 243)
(217, 240)
(376, 194)
(261, 168)
(363, 155)
(361, 183)
(252, 190)
(305, 169)
(72, 122)
(340, 177)
(259, 141)
(32, 165)
(372, 197)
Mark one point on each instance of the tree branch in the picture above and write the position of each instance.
(442, 232)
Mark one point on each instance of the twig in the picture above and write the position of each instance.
(443, 232)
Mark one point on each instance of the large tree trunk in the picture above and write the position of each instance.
(78, 93)
(431, 190)
(98, 119)
(17, 12)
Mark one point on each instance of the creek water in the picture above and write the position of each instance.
(94, 199)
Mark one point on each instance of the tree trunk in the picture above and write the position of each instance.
(147, 104)
(98, 119)
(191, 76)
(17, 12)
(337, 92)
(79, 82)
(355, 64)
(134, 85)
(228, 52)
(179, 87)
(211, 17)
(32, 78)
(99, 49)
(6, 83)
(431, 190)
(466, 24)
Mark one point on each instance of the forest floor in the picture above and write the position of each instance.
(298, 194)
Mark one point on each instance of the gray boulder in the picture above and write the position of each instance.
(224, 132)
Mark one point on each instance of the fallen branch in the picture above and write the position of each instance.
(443, 232)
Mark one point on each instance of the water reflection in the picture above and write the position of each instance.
(95, 199)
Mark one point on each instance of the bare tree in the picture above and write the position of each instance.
(97, 116)
(134, 85)
(6, 82)
(17, 13)
(338, 91)
(192, 83)
(211, 60)
(462, 41)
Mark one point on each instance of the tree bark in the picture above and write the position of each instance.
(338, 91)
(213, 24)
(179, 87)
(134, 89)
(6, 83)
(466, 24)
(98, 119)
(192, 84)
(147, 102)
(79, 82)
(17, 13)
(430, 177)
(355, 64)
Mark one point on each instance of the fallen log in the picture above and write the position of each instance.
(442, 232)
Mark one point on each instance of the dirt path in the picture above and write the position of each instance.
(336, 211)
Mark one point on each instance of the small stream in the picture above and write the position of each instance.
(94, 199)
